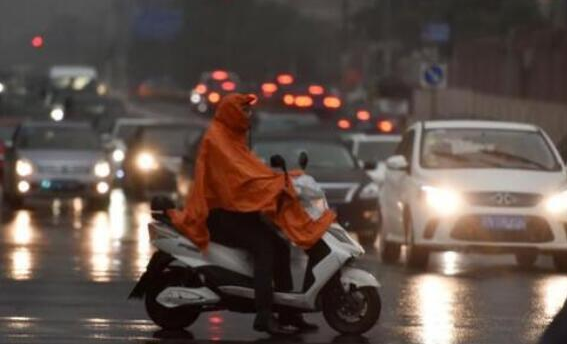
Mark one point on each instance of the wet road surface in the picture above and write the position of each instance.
(65, 273)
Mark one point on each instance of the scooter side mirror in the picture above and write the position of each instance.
(277, 161)
(303, 160)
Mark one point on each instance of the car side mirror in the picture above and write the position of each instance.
(277, 161)
(303, 160)
(397, 163)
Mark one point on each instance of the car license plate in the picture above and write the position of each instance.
(503, 222)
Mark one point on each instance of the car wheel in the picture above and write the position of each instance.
(526, 260)
(416, 257)
(389, 251)
(560, 262)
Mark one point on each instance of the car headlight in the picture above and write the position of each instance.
(557, 203)
(102, 169)
(2, 87)
(24, 168)
(369, 191)
(57, 114)
(443, 201)
(118, 155)
(146, 162)
(196, 98)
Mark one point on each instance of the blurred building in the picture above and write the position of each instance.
(329, 10)
(528, 65)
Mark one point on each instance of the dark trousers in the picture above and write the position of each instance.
(252, 233)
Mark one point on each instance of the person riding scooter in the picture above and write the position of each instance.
(242, 200)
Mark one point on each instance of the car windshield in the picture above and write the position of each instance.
(327, 155)
(170, 141)
(487, 148)
(284, 122)
(64, 138)
(374, 151)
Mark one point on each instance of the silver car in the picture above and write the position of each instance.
(51, 160)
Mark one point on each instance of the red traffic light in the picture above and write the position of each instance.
(37, 41)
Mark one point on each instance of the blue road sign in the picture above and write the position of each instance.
(158, 23)
(434, 76)
(436, 32)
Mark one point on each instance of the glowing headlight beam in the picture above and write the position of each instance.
(443, 201)
(557, 203)
(146, 161)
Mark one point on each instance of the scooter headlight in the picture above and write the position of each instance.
(320, 204)
(442, 200)
(557, 203)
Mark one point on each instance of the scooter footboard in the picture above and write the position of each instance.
(357, 278)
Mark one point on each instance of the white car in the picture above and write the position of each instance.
(480, 186)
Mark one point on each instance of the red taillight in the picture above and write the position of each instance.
(269, 88)
(332, 102)
(344, 124)
(201, 89)
(303, 101)
(220, 75)
(288, 99)
(285, 79)
(385, 126)
(363, 115)
(214, 97)
(316, 90)
(228, 86)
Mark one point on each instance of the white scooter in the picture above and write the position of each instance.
(180, 282)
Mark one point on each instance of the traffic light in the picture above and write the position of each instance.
(37, 42)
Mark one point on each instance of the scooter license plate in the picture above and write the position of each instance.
(504, 223)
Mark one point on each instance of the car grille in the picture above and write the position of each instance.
(470, 228)
(503, 199)
(63, 170)
(339, 193)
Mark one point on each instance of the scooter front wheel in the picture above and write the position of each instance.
(169, 318)
(353, 312)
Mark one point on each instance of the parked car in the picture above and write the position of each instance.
(481, 186)
(350, 192)
(122, 131)
(154, 156)
(50, 160)
(372, 151)
(7, 128)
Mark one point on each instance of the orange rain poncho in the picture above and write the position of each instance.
(229, 176)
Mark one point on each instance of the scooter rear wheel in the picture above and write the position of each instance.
(355, 312)
(175, 318)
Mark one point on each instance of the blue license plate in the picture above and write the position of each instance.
(503, 222)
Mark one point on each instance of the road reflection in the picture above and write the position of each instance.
(437, 308)
(551, 292)
(102, 246)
